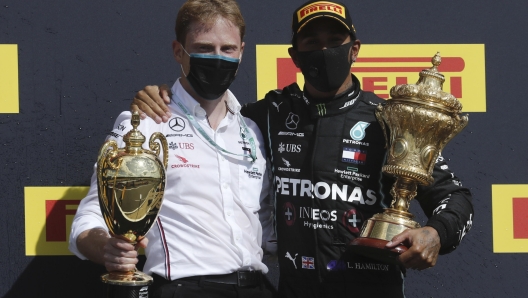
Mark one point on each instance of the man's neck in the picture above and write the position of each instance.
(318, 95)
(215, 109)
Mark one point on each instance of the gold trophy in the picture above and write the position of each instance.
(421, 119)
(130, 183)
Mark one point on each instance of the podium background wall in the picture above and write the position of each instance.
(81, 62)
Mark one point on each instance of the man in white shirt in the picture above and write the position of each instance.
(208, 237)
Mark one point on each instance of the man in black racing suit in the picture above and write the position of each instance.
(322, 198)
(327, 150)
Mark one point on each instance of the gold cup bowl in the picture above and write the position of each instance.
(130, 183)
(421, 119)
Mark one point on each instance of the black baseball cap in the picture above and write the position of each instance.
(316, 9)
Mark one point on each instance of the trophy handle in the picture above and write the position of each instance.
(154, 146)
(379, 116)
(107, 152)
(462, 122)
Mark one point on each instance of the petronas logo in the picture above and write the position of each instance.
(321, 109)
(358, 131)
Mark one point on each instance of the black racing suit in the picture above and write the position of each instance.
(326, 160)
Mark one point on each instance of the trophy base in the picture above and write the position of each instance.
(375, 249)
(126, 284)
(127, 279)
(378, 231)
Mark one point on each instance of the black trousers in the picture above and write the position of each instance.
(191, 288)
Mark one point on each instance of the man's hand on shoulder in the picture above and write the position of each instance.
(424, 246)
(152, 101)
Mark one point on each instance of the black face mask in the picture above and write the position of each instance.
(211, 75)
(326, 70)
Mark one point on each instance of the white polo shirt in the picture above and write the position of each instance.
(209, 220)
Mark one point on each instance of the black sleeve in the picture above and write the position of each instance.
(447, 205)
(257, 111)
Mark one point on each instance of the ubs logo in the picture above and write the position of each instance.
(187, 146)
(292, 120)
(293, 148)
(177, 124)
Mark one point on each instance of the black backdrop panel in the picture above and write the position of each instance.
(81, 62)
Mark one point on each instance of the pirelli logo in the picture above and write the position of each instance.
(9, 78)
(319, 7)
(380, 67)
(49, 213)
(510, 218)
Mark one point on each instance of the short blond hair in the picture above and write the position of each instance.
(207, 12)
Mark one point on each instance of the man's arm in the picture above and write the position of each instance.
(115, 254)
(449, 208)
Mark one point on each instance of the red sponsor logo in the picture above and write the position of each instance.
(320, 6)
(287, 72)
(289, 213)
(189, 146)
(185, 163)
(56, 211)
(520, 218)
(353, 220)
(181, 158)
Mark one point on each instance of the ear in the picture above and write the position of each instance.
(177, 50)
(293, 55)
(242, 50)
(354, 51)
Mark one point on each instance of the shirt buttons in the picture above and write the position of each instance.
(224, 185)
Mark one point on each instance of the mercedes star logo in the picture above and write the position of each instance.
(292, 121)
(177, 124)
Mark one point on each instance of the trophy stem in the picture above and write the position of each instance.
(403, 191)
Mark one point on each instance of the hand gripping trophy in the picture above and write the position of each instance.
(130, 183)
(421, 120)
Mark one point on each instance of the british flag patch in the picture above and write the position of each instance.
(308, 263)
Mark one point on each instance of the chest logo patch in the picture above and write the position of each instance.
(358, 131)
(289, 213)
(292, 120)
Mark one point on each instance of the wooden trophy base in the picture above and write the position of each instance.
(375, 249)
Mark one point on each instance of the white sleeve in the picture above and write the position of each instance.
(88, 216)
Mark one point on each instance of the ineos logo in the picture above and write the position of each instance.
(177, 124)
(292, 121)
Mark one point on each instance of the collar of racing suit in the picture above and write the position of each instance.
(333, 106)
